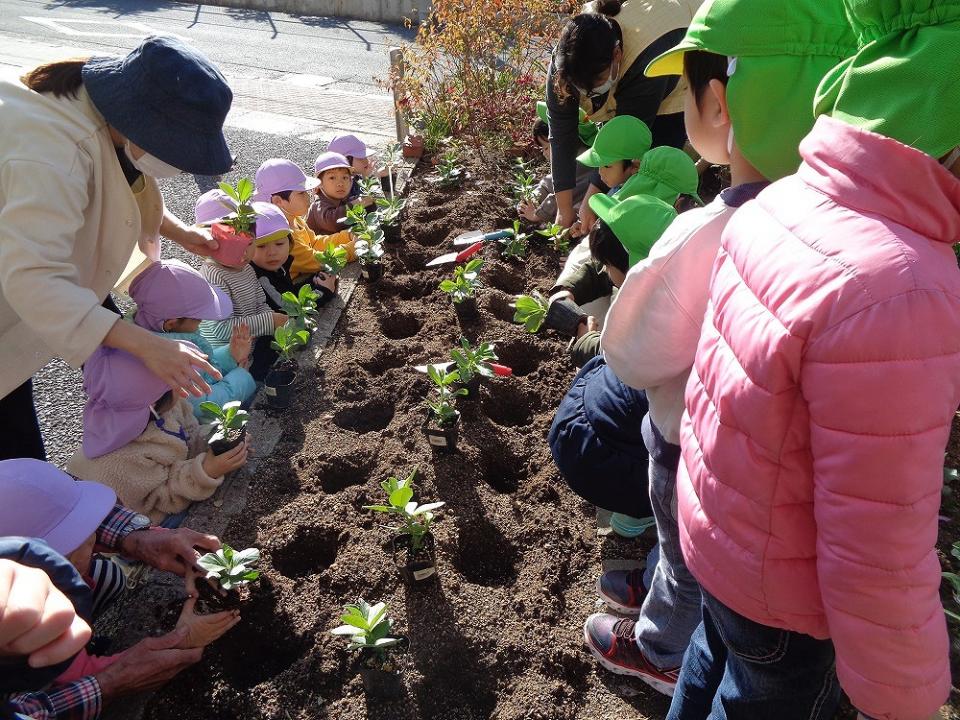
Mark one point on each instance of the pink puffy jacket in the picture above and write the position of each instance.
(818, 410)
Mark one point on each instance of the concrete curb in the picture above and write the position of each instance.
(385, 11)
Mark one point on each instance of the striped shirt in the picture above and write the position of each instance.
(249, 303)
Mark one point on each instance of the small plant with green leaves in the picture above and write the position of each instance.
(287, 340)
(369, 631)
(370, 250)
(301, 307)
(524, 183)
(228, 423)
(474, 361)
(515, 244)
(466, 280)
(449, 169)
(332, 259)
(415, 520)
(231, 568)
(234, 231)
(392, 157)
(243, 216)
(369, 186)
(388, 211)
(442, 406)
(356, 217)
(558, 235)
(530, 311)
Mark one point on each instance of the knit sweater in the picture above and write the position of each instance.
(156, 474)
(249, 303)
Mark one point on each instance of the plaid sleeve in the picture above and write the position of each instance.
(79, 700)
(110, 533)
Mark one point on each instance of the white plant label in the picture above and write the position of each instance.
(424, 574)
(438, 440)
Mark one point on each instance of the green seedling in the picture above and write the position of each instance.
(243, 216)
(530, 310)
(524, 184)
(226, 418)
(301, 307)
(449, 169)
(472, 361)
(368, 628)
(332, 259)
(370, 250)
(466, 280)
(515, 245)
(392, 157)
(286, 340)
(415, 520)
(558, 235)
(442, 408)
(230, 567)
(369, 185)
(389, 210)
(355, 217)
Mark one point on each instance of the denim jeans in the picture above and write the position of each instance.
(671, 610)
(737, 669)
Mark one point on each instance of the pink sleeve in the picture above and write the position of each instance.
(84, 665)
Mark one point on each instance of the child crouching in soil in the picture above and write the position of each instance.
(143, 441)
(333, 172)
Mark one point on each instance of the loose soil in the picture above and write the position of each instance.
(499, 634)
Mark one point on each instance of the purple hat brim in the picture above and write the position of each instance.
(93, 504)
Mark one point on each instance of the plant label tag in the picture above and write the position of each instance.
(424, 574)
(272, 392)
(438, 440)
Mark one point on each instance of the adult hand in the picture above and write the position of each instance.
(192, 238)
(587, 218)
(148, 665)
(203, 629)
(586, 326)
(170, 550)
(36, 619)
(216, 465)
(240, 342)
(279, 320)
(178, 365)
(528, 211)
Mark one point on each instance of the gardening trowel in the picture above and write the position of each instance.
(456, 257)
(478, 235)
(501, 370)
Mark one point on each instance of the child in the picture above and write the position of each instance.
(172, 298)
(242, 286)
(285, 185)
(331, 204)
(651, 333)
(142, 441)
(666, 173)
(355, 151)
(617, 150)
(825, 382)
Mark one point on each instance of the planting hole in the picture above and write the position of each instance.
(507, 407)
(398, 325)
(522, 354)
(338, 473)
(364, 417)
(383, 360)
(485, 556)
(407, 288)
(310, 551)
(499, 305)
(506, 279)
(503, 474)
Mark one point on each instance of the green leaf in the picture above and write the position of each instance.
(401, 496)
(378, 508)
(211, 408)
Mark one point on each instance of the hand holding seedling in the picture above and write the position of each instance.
(216, 465)
(528, 210)
(240, 343)
(147, 665)
(170, 550)
(203, 629)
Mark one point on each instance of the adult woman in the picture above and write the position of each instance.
(598, 65)
(81, 145)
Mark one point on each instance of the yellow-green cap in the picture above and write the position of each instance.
(625, 137)
(638, 222)
(586, 129)
(665, 173)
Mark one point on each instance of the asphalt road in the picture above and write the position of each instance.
(268, 54)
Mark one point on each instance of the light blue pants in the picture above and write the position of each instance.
(238, 384)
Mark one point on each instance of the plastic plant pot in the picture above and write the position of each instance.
(473, 388)
(233, 245)
(466, 309)
(443, 439)
(278, 386)
(564, 316)
(371, 271)
(419, 567)
(391, 233)
(413, 147)
(219, 445)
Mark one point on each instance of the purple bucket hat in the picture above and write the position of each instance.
(172, 289)
(278, 175)
(120, 390)
(40, 501)
(213, 205)
(349, 146)
(272, 224)
(329, 161)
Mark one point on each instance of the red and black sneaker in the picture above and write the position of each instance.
(610, 639)
(622, 590)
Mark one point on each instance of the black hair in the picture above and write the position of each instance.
(606, 248)
(283, 194)
(349, 159)
(541, 131)
(700, 67)
(63, 77)
(586, 48)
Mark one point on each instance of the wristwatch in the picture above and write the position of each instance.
(137, 522)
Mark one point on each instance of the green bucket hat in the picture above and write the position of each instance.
(638, 222)
(623, 138)
(665, 173)
(904, 82)
(586, 130)
(782, 51)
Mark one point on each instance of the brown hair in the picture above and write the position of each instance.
(63, 77)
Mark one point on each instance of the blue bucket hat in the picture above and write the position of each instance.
(168, 99)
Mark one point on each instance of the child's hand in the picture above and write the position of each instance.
(366, 200)
(240, 343)
(216, 465)
(528, 211)
(279, 320)
(325, 281)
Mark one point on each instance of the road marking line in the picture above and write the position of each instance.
(62, 26)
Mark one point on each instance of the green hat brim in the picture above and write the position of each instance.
(602, 204)
(591, 158)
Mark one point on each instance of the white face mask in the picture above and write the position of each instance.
(951, 158)
(605, 88)
(149, 165)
